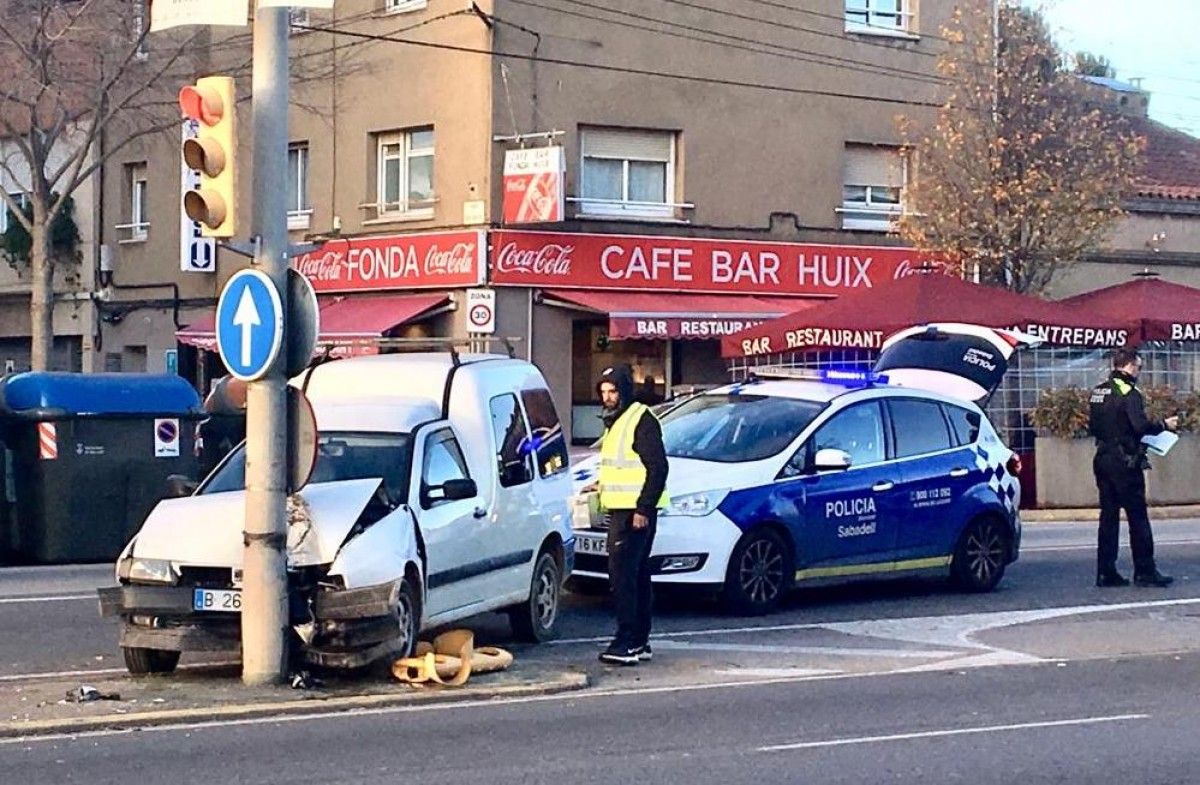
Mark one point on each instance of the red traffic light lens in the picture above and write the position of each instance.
(202, 104)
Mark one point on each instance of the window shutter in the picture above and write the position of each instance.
(873, 165)
(627, 144)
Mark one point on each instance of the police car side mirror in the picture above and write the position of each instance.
(454, 490)
(831, 460)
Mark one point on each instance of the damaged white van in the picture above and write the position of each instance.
(441, 490)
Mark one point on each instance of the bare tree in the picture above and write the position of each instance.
(1019, 174)
(83, 80)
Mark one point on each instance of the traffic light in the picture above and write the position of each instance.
(211, 102)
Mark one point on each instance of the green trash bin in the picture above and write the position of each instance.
(90, 457)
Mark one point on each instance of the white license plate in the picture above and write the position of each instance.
(220, 600)
(593, 544)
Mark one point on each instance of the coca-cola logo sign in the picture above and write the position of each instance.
(548, 259)
(907, 268)
(409, 261)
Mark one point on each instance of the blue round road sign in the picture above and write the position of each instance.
(249, 324)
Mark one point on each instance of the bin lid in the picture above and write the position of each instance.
(91, 394)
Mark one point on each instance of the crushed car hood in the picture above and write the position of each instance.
(206, 530)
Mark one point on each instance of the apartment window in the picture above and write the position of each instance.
(133, 359)
(628, 173)
(140, 9)
(880, 17)
(399, 6)
(297, 16)
(404, 181)
(872, 187)
(22, 199)
(137, 222)
(299, 209)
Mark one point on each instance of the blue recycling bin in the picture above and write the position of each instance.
(87, 456)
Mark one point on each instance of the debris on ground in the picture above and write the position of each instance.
(86, 693)
(450, 660)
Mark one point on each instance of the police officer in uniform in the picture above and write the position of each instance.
(631, 484)
(1118, 422)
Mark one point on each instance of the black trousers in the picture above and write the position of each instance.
(1122, 488)
(629, 573)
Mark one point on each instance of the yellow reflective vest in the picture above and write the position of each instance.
(622, 473)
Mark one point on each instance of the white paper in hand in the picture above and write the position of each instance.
(1160, 444)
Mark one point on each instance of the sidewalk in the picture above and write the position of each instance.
(38, 706)
(1093, 514)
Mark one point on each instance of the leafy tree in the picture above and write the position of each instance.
(1088, 64)
(1019, 175)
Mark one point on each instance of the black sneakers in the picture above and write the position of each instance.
(621, 655)
(1107, 580)
(1153, 580)
(645, 654)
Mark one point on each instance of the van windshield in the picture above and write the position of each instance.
(735, 428)
(340, 456)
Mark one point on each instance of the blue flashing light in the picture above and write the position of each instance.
(852, 377)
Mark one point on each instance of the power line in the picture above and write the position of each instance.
(786, 26)
(801, 55)
(627, 70)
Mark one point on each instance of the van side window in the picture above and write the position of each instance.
(857, 431)
(548, 445)
(443, 461)
(964, 423)
(918, 427)
(512, 439)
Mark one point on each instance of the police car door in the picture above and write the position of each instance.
(846, 517)
(935, 472)
(450, 523)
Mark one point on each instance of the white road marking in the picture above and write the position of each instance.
(772, 673)
(49, 598)
(933, 734)
(1092, 546)
(834, 651)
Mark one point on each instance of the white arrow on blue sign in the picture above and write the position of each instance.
(249, 324)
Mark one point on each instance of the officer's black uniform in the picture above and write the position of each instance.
(1118, 422)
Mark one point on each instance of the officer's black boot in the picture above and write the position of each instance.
(1110, 578)
(1153, 579)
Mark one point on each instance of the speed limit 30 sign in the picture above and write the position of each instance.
(481, 311)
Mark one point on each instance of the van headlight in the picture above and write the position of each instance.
(695, 505)
(146, 570)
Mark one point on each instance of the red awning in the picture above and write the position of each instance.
(342, 318)
(864, 319)
(1164, 311)
(653, 315)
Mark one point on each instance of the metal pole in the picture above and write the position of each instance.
(264, 596)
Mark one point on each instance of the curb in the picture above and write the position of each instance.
(568, 682)
(1091, 515)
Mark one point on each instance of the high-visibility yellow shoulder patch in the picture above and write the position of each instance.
(1122, 386)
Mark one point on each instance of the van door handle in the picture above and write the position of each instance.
(959, 472)
(880, 487)
(480, 512)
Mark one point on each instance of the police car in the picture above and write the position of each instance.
(799, 477)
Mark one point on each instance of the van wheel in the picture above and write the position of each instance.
(534, 620)
(982, 553)
(143, 661)
(759, 573)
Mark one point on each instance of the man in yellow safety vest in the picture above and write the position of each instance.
(632, 482)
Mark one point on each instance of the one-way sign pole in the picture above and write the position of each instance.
(264, 601)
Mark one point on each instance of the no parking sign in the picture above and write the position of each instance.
(166, 438)
(481, 311)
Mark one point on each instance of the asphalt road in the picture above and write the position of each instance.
(1091, 722)
(51, 624)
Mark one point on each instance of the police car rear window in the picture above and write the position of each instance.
(735, 428)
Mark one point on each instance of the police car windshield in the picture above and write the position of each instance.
(340, 456)
(735, 428)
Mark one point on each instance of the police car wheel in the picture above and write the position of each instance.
(141, 661)
(535, 619)
(759, 573)
(981, 555)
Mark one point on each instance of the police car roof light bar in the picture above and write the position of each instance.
(840, 376)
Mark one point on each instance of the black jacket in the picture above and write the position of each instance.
(1117, 419)
(647, 439)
